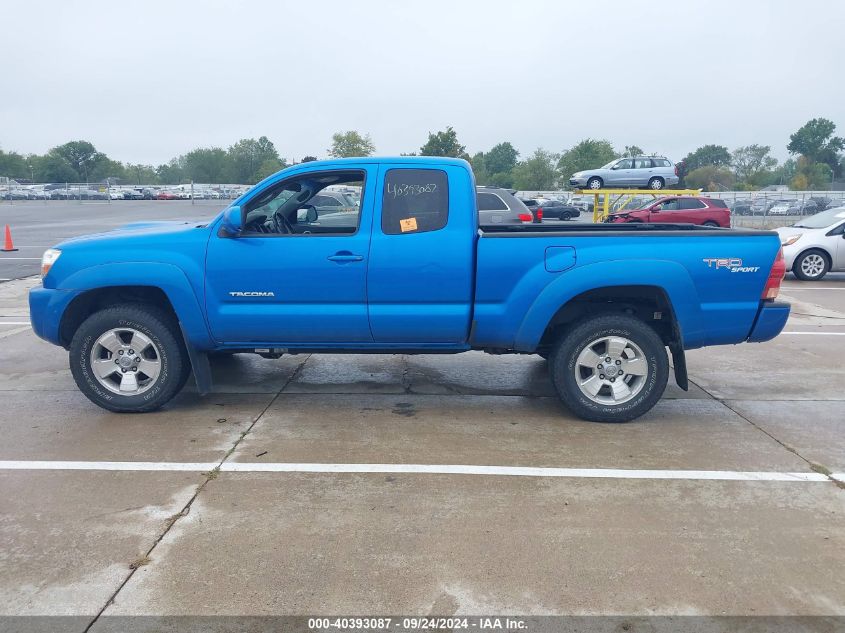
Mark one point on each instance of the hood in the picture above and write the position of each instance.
(153, 229)
(789, 231)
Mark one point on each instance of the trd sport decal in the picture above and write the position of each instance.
(251, 293)
(733, 264)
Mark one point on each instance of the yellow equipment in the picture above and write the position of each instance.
(601, 209)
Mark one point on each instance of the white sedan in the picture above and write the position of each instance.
(814, 246)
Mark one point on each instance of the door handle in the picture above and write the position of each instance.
(344, 257)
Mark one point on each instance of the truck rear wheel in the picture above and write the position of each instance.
(129, 358)
(610, 368)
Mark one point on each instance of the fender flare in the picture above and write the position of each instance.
(168, 278)
(669, 276)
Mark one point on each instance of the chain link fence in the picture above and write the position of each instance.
(12, 192)
(753, 209)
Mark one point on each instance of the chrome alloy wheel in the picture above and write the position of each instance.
(611, 370)
(125, 361)
(813, 265)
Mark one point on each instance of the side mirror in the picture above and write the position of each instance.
(233, 221)
(655, 209)
(306, 214)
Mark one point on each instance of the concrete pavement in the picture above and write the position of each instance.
(104, 543)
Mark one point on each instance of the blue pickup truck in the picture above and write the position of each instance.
(386, 255)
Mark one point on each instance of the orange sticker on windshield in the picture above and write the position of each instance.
(408, 225)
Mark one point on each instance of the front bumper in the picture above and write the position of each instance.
(46, 307)
(770, 321)
(578, 182)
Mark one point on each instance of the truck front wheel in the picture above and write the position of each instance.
(610, 368)
(129, 358)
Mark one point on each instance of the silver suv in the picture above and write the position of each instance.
(499, 206)
(651, 172)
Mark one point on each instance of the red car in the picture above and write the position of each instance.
(684, 209)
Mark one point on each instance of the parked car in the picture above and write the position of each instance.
(133, 194)
(533, 205)
(815, 246)
(601, 303)
(780, 207)
(554, 209)
(166, 195)
(500, 206)
(710, 212)
(651, 172)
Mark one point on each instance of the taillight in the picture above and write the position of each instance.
(775, 277)
(539, 213)
(676, 170)
(526, 217)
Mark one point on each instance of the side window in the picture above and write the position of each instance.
(691, 203)
(624, 164)
(642, 163)
(669, 205)
(490, 202)
(414, 201)
(300, 206)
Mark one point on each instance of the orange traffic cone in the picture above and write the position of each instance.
(8, 246)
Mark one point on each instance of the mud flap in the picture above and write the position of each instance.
(679, 362)
(200, 365)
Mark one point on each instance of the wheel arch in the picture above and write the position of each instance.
(610, 284)
(163, 285)
(823, 251)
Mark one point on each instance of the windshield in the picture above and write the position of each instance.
(822, 220)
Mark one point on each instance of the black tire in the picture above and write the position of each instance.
(595, 180)
(711, 224)
(155, 324)
(799, 269)
(656, 183)
(564, 357)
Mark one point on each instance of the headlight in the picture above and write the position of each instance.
(789, 241)
(48, 259)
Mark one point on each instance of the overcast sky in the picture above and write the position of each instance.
(147, 81)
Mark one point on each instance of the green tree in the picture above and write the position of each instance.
(205, 165)
(715, 155)
(13, 165)
(750, 159)
(444, 143)
(710, 178)
(140, 174)
(479, 168)
(810, 175)
(53, 168)
(816, 141)
(246, 157)
(632, 150)
(82, 157)
(501, 158)
(351, 144)
(587, 154)
(171, 173)
(537, 172)
(269, 167)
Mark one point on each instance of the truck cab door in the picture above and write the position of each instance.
(422, 255)
(296, 274)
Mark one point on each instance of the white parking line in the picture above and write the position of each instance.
(14, 323)
(421, 469)
(788, 288)
(3, 257)
(816, 333)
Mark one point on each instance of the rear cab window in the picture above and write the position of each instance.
(414, 201)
